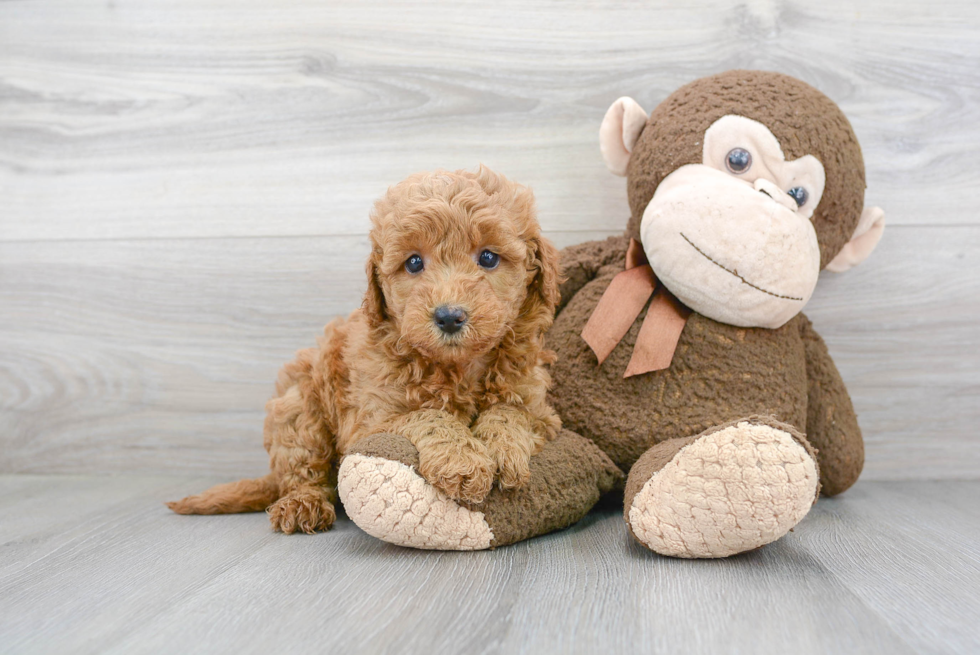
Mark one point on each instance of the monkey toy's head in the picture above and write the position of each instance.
(742, 187)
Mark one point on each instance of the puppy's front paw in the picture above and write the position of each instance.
(462, 473)
(513, 467)
(510, 449)
(307, 511)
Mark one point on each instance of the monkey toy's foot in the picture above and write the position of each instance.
(730, 489)
(384, 494)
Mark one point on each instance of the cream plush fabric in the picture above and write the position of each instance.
(391, 501)
(730, 491)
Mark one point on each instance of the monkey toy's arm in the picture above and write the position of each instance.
(831, 424)
(580, 264)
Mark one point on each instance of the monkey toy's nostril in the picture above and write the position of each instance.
(449, 319)
(770, 189)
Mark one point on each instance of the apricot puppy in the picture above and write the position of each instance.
(446, 350)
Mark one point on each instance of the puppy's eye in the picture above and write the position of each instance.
(738, 160)
(488, 260)
(414, 264)
(799, 194)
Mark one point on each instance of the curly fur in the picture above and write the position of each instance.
(472, 403)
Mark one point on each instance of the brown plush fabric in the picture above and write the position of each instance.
(831, 423)
(719, 373)
(581, 262)
(567, 478)
(804, 120)
(388, 446)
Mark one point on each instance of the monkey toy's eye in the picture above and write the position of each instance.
(414, 264)
(488, 260)
(799, 194)
(738, 160)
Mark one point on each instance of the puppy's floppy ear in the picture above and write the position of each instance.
(542, 294)
(546, 282)
(374, 305)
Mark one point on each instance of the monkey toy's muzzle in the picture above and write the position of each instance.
(733, 250)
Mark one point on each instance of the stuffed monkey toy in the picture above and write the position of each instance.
(684, 362)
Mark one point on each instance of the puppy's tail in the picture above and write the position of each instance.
(231, 498)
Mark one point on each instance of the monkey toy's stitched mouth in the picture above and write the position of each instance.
(731, 272)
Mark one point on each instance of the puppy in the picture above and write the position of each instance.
(446, 350)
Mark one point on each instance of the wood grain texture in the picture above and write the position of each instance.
(159, 355)
(911, 526)
(142, 118)
(184, 190)
(886, 568)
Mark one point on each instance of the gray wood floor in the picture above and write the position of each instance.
(98, 565)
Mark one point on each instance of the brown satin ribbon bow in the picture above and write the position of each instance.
(622, 302)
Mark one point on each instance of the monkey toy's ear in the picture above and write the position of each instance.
(868, 233)
(618, 133)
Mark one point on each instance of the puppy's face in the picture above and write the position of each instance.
(457, 260)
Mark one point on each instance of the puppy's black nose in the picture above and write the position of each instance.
(449, 319)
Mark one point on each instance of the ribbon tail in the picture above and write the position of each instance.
(659, 334)
(619, 306)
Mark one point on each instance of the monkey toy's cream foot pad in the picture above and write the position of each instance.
(726, 491)
(386, 497)
(389, 500)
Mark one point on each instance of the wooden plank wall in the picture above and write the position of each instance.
(184, 189)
